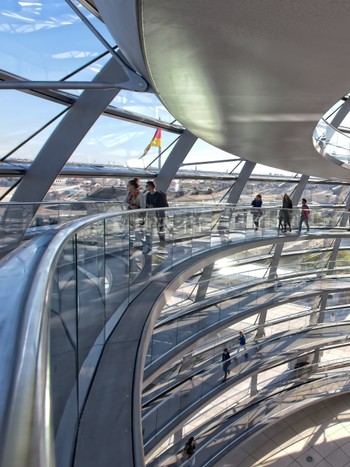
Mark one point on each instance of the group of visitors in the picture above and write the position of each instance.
(150, 198)
(285, 214)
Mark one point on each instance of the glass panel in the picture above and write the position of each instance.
(229, 274)
(202, 230)
(207, 158)
(91, 280)
(310, 261)
(322, 193)
(90, 190)
(6, 184)
(197, 190)
(257, 253)
(299, 315)
(97, 23)
(180, 227)
(88, 73)
(336, 314)
(272, 191)
(343, 259)
(63, 334)
(44, 40)
(114, 142)
(117, 279)
(145, 104)
(261, 169)
(291, 249)
(332, 143)
(18, 122)
(14, 220)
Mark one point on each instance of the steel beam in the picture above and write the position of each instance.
(174, 160)
(66, 137)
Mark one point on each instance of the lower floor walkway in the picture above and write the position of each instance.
(316, 436)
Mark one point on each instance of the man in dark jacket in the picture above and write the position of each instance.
(157, 199)
(226, 362)
(242, 343)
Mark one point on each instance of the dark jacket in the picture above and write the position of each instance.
(190, 448)
(156, 200)
(256, 203)
(242, 340)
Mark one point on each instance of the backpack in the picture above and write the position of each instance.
(163, 202)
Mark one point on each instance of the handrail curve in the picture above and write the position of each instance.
(30, 270)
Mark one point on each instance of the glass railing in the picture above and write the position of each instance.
(231, 315)
(211, 222)
(20, 221)
(80, 278)
(276, 392)
(234, 279)
(188, 326)
(193, 394)
(332, 144)
(281, 404)
(199, 359)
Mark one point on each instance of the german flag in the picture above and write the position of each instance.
(156, 141)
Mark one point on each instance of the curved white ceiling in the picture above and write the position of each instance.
(251, 77)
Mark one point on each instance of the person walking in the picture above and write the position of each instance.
(157, 199)
(242, 344)
(257, 211)
(189, 450)
(226, 362)
(304, 215)
(286, 213)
